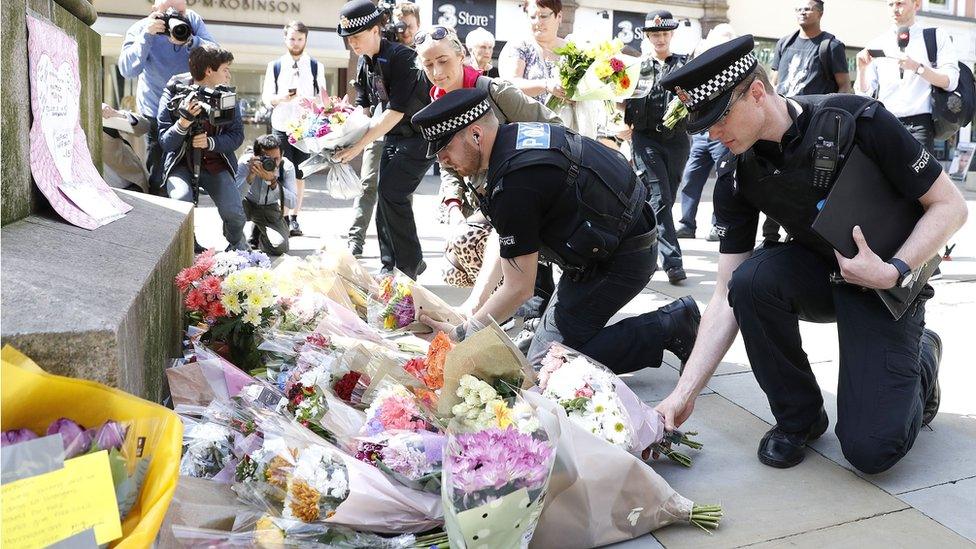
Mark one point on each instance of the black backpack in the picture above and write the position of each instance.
(954, 109)
(823, 53)
(315, 75)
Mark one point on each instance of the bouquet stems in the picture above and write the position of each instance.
(677, 438)
(431, 540)
(706, 516)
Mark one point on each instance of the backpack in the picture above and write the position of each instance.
(315, 75)
(950, 109)
(823, 53)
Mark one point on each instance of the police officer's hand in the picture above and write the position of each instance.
(675, 410)
(200, 141)
(345, 155)
(866, 268)
(156, 25)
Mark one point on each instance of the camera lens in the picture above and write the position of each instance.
(179, 29)
(268, 164)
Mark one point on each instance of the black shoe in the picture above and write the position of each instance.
(293, 228)
(676, 275)
(784, 450)
(932, 353)
(420, 269)
(713, 235)
(356, 249)
(254, 240)
(197, 248)
(685, 232)
(681, 321)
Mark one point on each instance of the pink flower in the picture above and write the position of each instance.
(616, 64)
(584, 391)
(216, 310)
(398, 412)
(196, 300)
(210, 285)
(184, 279)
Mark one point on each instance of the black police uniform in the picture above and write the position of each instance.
(887, 367)
(391, 80)
(659, 153)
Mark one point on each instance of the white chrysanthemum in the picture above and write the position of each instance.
(252, 317)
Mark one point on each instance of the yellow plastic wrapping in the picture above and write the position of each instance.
(32, 398)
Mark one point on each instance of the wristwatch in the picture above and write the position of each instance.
(905, 274)
(920, 70)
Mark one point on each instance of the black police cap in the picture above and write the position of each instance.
(357, 16)
(439, 121)
(705, 84)
(660, 20)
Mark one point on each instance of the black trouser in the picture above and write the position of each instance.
(922, 129)
(662, 163)
(154, 158)
(291, 152)
(402, 167)
(883, 382)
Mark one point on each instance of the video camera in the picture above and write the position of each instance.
(392, 31)
(218, 104)
(177, 25)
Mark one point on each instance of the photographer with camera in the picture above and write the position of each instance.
(200, 127)
(154, 50)
(390, 81)
(267, 180)
(291, 77)
(406, 23)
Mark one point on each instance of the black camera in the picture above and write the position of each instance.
(218, 104)
(177, 25)
(388, 29)
(268, 164)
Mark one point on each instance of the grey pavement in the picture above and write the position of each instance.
(926, 500)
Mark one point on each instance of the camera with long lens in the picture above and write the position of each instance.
(217, 104)
(392, 31)
(177, 25)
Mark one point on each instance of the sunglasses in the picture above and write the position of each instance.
(437, 33)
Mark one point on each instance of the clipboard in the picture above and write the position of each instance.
(862, 196)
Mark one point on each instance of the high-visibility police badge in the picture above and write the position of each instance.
(532, 135)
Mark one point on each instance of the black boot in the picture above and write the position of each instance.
(254, 240)
(681, 319)
(931, 357)
(782, 450)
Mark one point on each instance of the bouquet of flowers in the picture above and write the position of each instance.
(395, 308)
(599, 72)
(322, 126)
(395, 408)
(414, 458)
(601, 403)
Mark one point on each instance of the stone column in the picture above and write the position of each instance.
(569, 16)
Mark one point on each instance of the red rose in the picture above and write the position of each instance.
(616, 64)
(344, 387)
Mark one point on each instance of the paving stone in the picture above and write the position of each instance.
(907, 528)
(760, 502)
(951, 504)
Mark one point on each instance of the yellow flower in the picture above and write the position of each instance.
(603, 69)
(503, 414)
(389, 322)
(231, 303)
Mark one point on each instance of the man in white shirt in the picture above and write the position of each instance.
(288, 79)
(903, 79)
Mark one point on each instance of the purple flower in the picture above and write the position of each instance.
(374, 426)
(17, 436)
(494, 458)
(110, 435)
(74, 437)
(404, 312)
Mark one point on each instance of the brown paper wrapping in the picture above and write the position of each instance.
(428, 303)
(188, 385)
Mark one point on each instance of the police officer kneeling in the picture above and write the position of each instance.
(552, 193)
(888, 382)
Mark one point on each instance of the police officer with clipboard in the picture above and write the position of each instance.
(781, 165)
(550, 192)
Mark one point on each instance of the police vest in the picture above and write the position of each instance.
(792, 195)
(600, 188)
(646, 114)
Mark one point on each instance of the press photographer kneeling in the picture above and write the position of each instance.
(268, 183)
(200, 127)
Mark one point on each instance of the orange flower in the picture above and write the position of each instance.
(436, 357)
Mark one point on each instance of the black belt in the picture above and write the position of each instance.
(916, 118)
(638, 242)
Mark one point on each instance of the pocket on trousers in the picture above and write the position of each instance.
(899, 395)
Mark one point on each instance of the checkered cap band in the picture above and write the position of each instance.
(455, 123)
(720, 83)
(657, 23)
(347, 23)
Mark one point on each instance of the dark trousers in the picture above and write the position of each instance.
(922, 129)
(270, 224)
(883, 378)
(291, 152)
(662, 165)
(402, 167)
(578, 314)
(705, 154)
(154, 158)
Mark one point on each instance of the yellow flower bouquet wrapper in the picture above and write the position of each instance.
(31, 398)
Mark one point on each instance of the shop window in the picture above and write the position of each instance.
(939, 6)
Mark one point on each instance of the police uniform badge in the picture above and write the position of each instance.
(533, 135)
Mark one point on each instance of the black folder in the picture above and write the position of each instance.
(862, 196)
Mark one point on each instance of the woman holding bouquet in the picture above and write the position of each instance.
(440, 55)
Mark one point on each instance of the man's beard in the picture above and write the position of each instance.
(296, 53)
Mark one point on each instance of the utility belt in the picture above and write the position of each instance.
(631, 244)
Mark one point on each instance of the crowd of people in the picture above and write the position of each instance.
(562, 212)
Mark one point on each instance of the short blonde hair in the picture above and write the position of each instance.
(451, 39)
(479, 35)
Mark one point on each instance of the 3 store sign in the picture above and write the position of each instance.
(464, 15)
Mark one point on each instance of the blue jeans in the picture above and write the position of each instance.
(705, 154)
(223, 191)
(578, 313)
